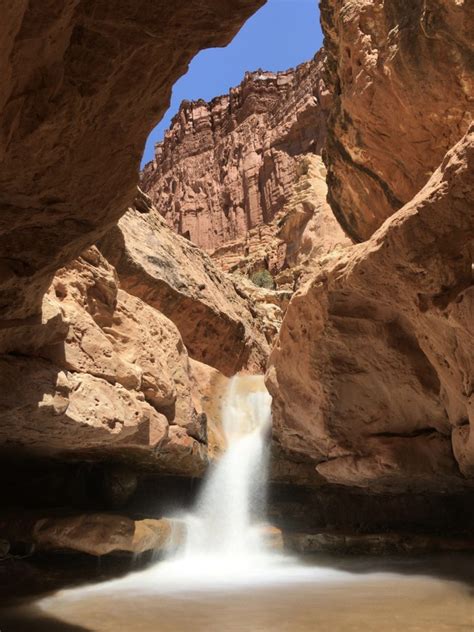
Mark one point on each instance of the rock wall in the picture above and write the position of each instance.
(109, 377)
(229, 166)
(89, 370)
(303, 231)
(83, 82)
(402, 74)
(372, 374)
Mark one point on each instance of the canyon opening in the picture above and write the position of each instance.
(236, 370)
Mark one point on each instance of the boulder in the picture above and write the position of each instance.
(217, 325)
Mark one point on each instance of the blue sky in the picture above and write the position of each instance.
(282, 34)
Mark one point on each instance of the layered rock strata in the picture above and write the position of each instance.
(228, 167)
(302, 232)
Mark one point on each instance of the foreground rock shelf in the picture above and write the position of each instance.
(99, 534)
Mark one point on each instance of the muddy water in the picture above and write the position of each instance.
(356, 596)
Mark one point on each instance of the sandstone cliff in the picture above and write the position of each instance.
(82, 85)
(372, 373)
(117, 337)
(227, 169)
(402, 77)
(89, 370)
(108, 377)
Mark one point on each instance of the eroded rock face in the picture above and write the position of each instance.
(83, 82)
(116, 386)
(219, 326)
(104, 374)
(372, 373)
(402, 75)
(228, 166)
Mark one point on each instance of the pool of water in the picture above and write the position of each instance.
(326, 595)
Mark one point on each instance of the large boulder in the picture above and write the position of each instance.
(219, 325)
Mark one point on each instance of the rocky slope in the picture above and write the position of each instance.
(226, 169)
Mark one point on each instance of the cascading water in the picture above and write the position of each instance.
(223, 578)
(224, 526)
(224, 545)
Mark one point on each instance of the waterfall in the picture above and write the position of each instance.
(224, 525)
(224, 546)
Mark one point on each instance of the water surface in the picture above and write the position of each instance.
(350, 595)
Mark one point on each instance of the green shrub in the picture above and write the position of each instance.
(263, 278)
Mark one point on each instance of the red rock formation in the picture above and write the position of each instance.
(402, 76)
(218, 326)
(302, 231)
(229, 166)
(112, 388)
(82, 85)
(372, 374)
(89, 370)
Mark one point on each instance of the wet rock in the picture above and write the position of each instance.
(118, 485)
(374, 543)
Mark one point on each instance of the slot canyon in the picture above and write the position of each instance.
(299, 248)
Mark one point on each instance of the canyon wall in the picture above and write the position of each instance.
(116, 333)
(227, 169)
(83, 83)
(107, 375)
(93, 367)
(402, 75)
(372, 374)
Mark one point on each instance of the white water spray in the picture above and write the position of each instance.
(224, 526)
(224, 548)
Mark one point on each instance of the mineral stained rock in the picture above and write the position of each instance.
(402, 75)
(82, 85)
